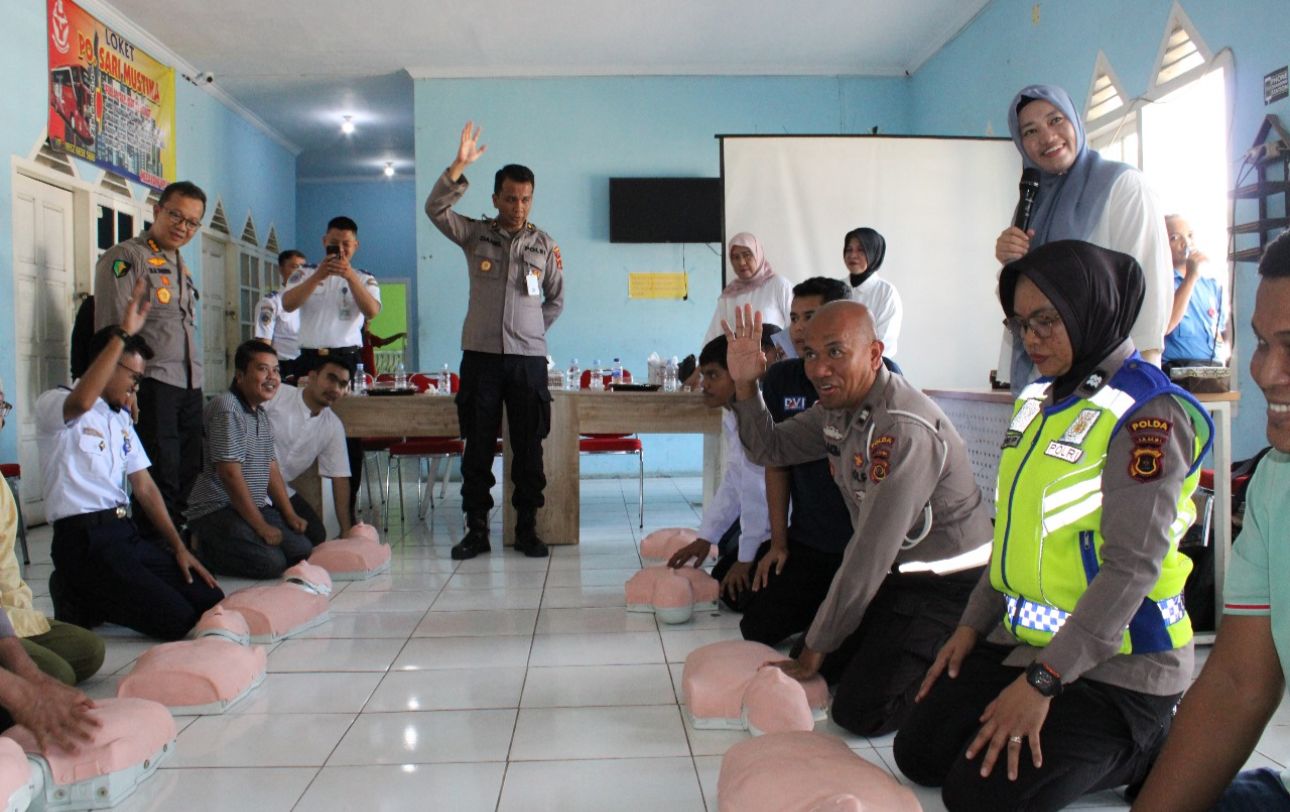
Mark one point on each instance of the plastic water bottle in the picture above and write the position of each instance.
(445, 381)
(597, 376)
(554, 375)
(616, 376)
(670, 383)
(400, 377)
(359, 384)
(574, 376)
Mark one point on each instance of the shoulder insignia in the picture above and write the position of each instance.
(266, 316)
(121, 267)
(881, 447)
(879, 469)
(559, 260)
(1150, 424)
(1147, 464)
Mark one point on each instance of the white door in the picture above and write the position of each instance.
(214, 352)
(44, 307)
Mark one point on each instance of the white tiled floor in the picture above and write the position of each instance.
(500, 684)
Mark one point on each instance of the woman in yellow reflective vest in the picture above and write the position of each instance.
(1075, 646)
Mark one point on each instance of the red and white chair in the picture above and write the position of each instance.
(615, 443)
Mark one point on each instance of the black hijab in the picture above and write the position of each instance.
(875, 248)
(1096, 291)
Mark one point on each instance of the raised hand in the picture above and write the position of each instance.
(745, 361)
(470, 149)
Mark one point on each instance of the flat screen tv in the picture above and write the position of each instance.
(648, 210)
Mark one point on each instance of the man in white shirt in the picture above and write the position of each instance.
(104, 569)
(275, 325)
(305, 429)
(741, 496)
(334, 299)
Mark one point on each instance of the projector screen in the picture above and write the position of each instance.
(939, 202)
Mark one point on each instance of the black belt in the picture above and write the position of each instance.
(93, 519)
(324, 352)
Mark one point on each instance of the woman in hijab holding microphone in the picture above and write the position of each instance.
(1083, 196)
(1075, 646)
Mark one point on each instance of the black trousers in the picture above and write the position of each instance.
(489, 381)
(316, 532)
(788, 603)
(170, 428)
(876, 671)
(227, 545)
(124, 578)
(1096, 736)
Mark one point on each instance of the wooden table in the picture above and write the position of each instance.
(982, 416)
(572, 413)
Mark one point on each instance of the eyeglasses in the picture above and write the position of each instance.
(180, 219)
(5, 408)
(1042, 324)
(135, 377)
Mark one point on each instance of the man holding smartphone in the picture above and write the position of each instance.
(334, 299)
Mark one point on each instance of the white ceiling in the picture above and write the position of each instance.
(300, 65)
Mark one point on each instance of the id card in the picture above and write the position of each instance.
(535, 283)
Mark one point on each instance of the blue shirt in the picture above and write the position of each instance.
(1197, 335)
(818, 518)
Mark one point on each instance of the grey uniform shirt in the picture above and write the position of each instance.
(1135, 532)
(171, 328)
(891, 458)
(501, 317)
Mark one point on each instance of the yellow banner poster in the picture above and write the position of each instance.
(109, 102)
(657, 286)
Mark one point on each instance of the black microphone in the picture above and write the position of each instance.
(1029, 187)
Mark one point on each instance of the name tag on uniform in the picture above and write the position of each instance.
(535, 283)
(1062, 451)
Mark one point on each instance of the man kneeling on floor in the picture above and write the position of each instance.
(305, 429)
(736, 517)
(104, 570)
(921, 531)
(236, 530)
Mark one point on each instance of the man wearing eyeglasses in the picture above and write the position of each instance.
(170, 395)
(106, 568)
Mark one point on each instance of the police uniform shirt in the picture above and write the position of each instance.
(171, 328)
(278, 327)
(502, 317)
(1136, 516)
(903, 471)
(84, 462)
(330, 317)
(300, 437)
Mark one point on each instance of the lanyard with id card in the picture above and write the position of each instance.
(535, 283)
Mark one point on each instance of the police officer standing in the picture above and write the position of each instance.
(275, 325)
(921, 533)
(170, 394)
(333, 300)
(516, 293)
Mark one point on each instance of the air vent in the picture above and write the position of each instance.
(55, 160)
(218, 221)
(248, 233)
(271, 244)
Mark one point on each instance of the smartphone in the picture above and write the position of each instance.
(333, 250)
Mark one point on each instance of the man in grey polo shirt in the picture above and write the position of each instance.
(236, 530)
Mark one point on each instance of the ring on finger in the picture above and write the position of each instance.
(1014, 740)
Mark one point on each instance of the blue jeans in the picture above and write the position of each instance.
(1255, 791)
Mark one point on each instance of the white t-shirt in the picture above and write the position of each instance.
(1134, 224)
(884, 305)
(274, 324)
(774, 299)
(84, 462)
(330, 317)
(300, 437)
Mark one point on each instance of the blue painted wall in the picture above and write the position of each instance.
(217, 149)
(577, 133)
(386, 212)
(966, 88)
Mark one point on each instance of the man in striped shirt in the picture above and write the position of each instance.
(239, 512)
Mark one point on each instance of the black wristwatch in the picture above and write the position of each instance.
(1044, 679)
(120, 333)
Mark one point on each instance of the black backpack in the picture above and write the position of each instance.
(82, 332)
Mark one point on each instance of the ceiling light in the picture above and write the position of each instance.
(347, 125)
(389, 169)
